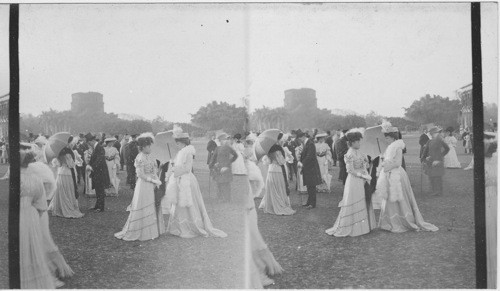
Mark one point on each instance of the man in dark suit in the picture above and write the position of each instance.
(424, 138)
(341, 149)
(329, 141)
(211, 146)
(99, 174)
(310, 168)
(433, 157)
(133, 151)
(220, 167)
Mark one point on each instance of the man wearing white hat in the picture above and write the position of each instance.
(220, 167)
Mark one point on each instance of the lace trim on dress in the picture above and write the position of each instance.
(142, 228)
(143, 217)
(353, 203)
(142, 207)
(344, 226)
(351, 214)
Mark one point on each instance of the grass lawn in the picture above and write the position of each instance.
(443, 259)
(311, 259)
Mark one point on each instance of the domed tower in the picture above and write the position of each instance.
(87, 102)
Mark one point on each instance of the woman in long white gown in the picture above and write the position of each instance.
(36, 179)
(276, 200)
(64, 202)
(183, 199)
(451, 159)
(324, 156)
(238, 166)
(260, 259)
(113, 162)
(355, 217)
(491, 168)
(145, 220)
(399, 211)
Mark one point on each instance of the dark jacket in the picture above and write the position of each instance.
(424, 139)
(435, 150)
(223, 157)
(133, 151)
(99, 174)
(310, 167)
(211, 146)
(341, 149)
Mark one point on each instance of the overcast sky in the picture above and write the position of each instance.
(169, 60)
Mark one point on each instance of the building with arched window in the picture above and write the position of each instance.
(464, 94)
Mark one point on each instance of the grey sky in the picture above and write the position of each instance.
(169, 60)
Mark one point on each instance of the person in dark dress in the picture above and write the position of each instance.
(329, 141)
(99, 171)
(341, 149)
(117, 144)
(133, 151)
(211, 146)
(433, 159)
(220, 167)
(424, 138)
(403, 164)
(310, 168)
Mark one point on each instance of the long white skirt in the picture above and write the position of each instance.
(115, 182)
(192, 221)
(451, 159)
(145, 221)
(35, 272)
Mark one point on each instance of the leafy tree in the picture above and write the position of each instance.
(225, 116)
(373, 119)
(436, 109)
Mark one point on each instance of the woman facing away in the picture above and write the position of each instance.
(238, 166)
(183, 199)
(36, 179)
(254, 174)
(65, 203)
(490, 167)
(113, 162)
(145, 221)
(355, 217)
(451, 159)
(260, 259)
(399, 210)
(324, 156)
(276, 200)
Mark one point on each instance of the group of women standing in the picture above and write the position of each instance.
(399, 209)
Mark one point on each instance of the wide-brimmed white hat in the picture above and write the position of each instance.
(177, 133)
(109, 139)
(320, 135)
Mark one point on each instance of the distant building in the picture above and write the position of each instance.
(297, 99)
(464, 94)
(87, 102)
(300, 105)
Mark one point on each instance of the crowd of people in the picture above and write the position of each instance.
(171, 188)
